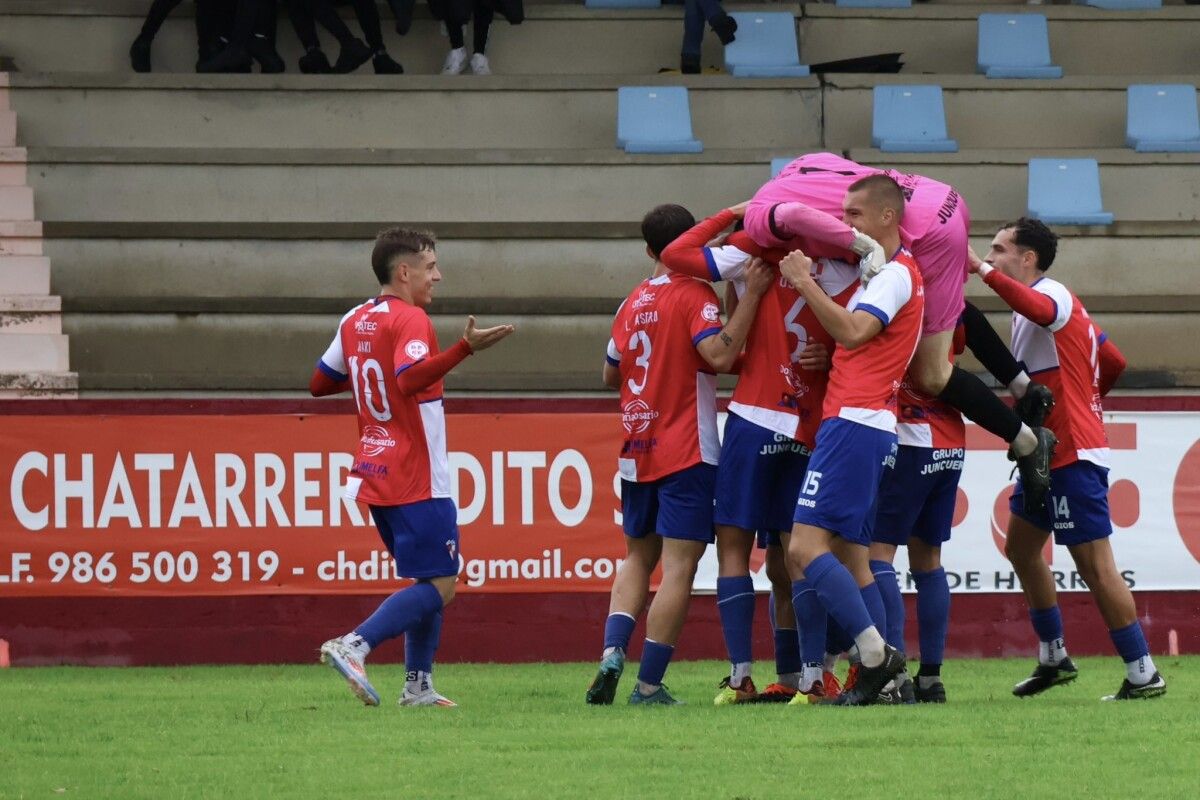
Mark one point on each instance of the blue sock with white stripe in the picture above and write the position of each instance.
(655, 658)
(735, 601)
(1130, 642)
(839, 593)
(1047, 623)
(811, 621)
(873, 599)
(893, 602)
(400, 612)
(421, 642)
(617, 630)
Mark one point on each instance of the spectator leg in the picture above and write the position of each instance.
(155, 17)
(693, 31)
(368, 20)
(481, 25)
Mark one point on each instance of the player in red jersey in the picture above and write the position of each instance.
(769, 434)
(667, 346)
(1053, 335)
(386, 352)
(876, 336)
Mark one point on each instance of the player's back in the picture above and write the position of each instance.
(401, 454)
(668, 391)
(1064, 355)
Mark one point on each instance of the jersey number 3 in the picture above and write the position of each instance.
(640, 341)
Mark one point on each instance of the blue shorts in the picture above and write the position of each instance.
(917, 497)
(759, 477)
(1077, 506)
(841, 488)
(765, 539)
(678, 506)
(421, 536)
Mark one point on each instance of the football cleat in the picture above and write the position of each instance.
(1035, 471)
(731, 695)
(660, 697)
(906, 690)
(1155, 687)
(851, 678)
(870, 681)
(776, 693)
(815, 694)
(1035, 405)
(427, 697)
(831, 684)
(342, 658)
(604, 686)
(1045, 677)
(934, 693)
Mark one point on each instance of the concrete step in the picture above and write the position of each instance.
(16, 203)
(30, 314)
(20, 238)
(294, 111)
(33, 352)
(39, 385)
(8, 126)
(548, 352)
(27, 275)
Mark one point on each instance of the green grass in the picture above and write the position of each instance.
(523, 731)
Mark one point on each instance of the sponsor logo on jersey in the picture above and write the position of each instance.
(643, 299)
(375, 439)
(416, 349)
(365, 326)
(637, 416)
(711, 312)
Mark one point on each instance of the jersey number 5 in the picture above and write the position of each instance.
(370, 394)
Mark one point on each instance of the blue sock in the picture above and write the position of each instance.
(1130, 642)
(421, 642)
(735, 601)
(617, 630)
(400, 612)
(933, 616)
(873, 600)
(811, 622)
(839, 593)
(893, 602)
(837, 640)
(655, 658)
(1047, 623)
(787, 651)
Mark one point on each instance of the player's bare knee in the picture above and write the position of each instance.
(445, 587)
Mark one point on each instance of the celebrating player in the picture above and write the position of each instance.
(936, 223)
(876, 336)
(395, 370)
(667, 344)
(1053, 335)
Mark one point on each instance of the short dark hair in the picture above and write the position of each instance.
(883, 190)
(664, 224)
(393, 242)
(1033, 234)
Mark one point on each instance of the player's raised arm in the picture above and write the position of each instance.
(690, 254)
(792, 219)
(721, 351)
(1035, 306)
(415, 378)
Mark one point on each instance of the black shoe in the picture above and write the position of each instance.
(1045, 677)
(386, 65)
(906, 690)
(1155, 687)
(871, 680)
(689, 65)
(1035, 406)
(724, 27)
(231, 59)
(604, 685)
(352, 56)
(1035, 471)
(139, 55)
(315, 62)
(936, 693)
(269, 61)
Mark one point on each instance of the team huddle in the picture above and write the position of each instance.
(844, 438)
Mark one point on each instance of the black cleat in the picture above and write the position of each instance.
(269, 60)
(906, 690)
(871, 680)
(386, 65)
(352, 56)
(604, 685)
(725, 27)
(935, 693)
(231, 59)
(1155, 687)
(139, 55)
(315, 62)
(689, 65)
(1035, 406)
(1035, 471)
(1046, 677)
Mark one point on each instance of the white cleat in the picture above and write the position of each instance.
(428, 697)
(480, 65)
(336, 654)
(456, 62)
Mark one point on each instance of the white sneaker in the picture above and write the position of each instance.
(342, 658)
(480, 65)
(456, 62)
(428, 697)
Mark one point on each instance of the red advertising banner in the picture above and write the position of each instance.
(212, 505)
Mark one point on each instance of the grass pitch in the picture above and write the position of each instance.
(524, 731)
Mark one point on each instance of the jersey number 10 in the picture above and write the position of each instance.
(370, 393)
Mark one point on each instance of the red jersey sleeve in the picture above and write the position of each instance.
(688, 255)
(1112, 364)
(1035, 306)
(414, 340)
(704, 313)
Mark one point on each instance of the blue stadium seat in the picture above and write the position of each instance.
(777, 165)
(765, 46)
(623, 3)
(1162, 118)
(1066, 191)
(874, 3)
(1120, 5)
(910, 119)
(655, 119)
(1015, 46)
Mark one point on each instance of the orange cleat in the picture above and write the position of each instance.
(833, 687)
(777, 693)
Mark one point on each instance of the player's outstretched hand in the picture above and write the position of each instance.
(797, 269)
(815, 357)
(871, 256)
(759, 277)
(482, 338)
(739, 211)
(974, 262)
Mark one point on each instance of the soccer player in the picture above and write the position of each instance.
(667, 346)
(769, 432)
(386, 352)
(1053, 335)
(936, 224)
(876, 335)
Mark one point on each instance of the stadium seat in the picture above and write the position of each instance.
(1120, 5)
(623, 3)
(1066, 191)
(1162, 118)
(910, 119)
(655, 119)
(874, 3)
(1015, 46)
(765, 47)
(777, 165)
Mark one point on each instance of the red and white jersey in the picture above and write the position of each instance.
(668, 391)
(401, 454)
(772, 391)
(924, 421)
(864, 381)
(1064, 356)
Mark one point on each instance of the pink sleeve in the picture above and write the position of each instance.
(796, 219)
